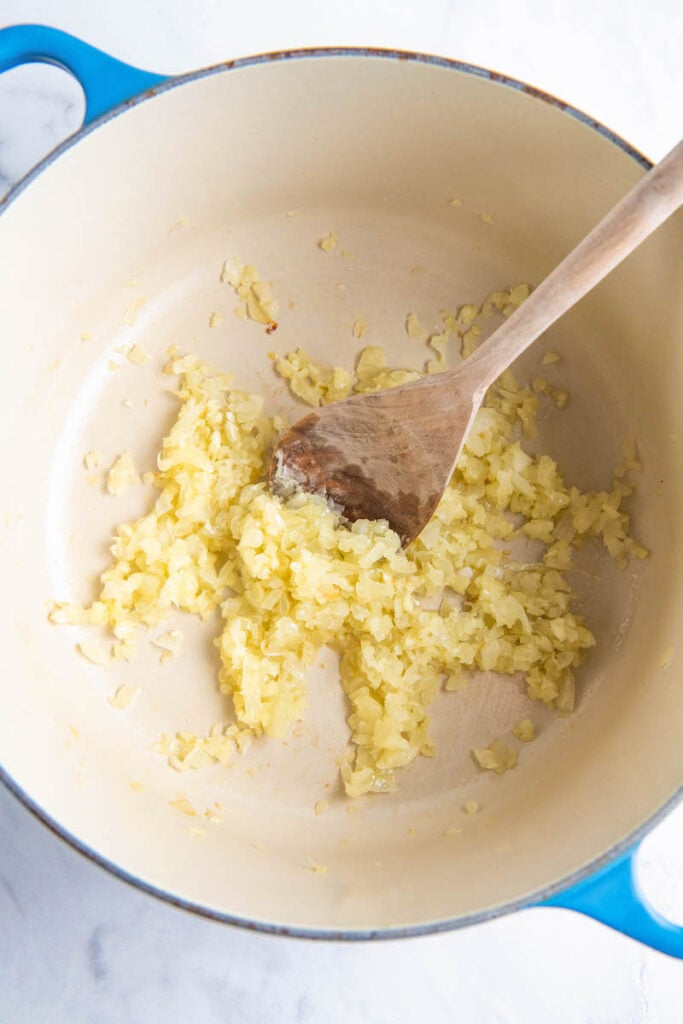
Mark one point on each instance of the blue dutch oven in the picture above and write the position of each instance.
(167, 176)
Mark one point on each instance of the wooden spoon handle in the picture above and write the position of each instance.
(642, 210)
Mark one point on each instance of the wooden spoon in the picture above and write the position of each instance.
(390, 454)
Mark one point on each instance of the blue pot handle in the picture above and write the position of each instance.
(105, 81)
(613, 897)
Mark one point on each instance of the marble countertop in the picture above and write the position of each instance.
(76, 945)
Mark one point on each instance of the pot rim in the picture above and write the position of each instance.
(308, 932)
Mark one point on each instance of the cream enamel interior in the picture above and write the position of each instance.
(374, 149)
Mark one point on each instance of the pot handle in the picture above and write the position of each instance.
(613, 897)
(105, 81)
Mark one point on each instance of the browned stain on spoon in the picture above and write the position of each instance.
(319, 455)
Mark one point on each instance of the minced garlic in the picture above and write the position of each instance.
(314, 383)
(170, 644)
(92, 459)
(359, 327)
(95, 651)
(496, 757)
(328, 243)
(123, 697)
(524, 730)
(131, 314)
(289, 577)
(122, 474)
(414, 328)
(134, 353)
(257, 301)
(183, 805)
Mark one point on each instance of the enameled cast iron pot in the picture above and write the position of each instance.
(169, 176)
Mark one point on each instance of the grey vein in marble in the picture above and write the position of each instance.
(39, 106)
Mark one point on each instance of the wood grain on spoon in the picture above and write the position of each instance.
(390, 454)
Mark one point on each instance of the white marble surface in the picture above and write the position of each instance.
(78, 946)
